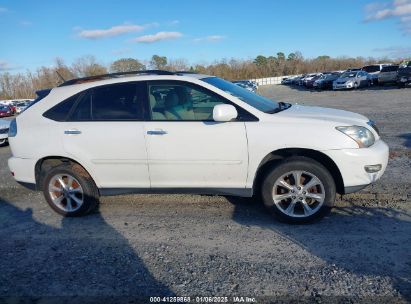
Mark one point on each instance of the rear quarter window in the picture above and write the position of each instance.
(61, 111)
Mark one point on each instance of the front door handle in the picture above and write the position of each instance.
(156, 132)
(72, 132)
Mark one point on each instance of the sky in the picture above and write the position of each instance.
(33, 33)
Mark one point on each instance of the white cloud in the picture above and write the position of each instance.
(212, 38)
(6, 66)
(111, 32)
(3, 10)
(395, 51)
(174, 22)
(157, 37)
(398, 9)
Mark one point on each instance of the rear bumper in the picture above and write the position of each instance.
(352, 163)
(22, 169)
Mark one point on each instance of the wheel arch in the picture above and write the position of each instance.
(276, 156)
(53, 161)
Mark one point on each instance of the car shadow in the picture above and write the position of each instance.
(407, 138)
(364, 241)
(74, 259)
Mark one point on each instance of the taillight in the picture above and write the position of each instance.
(13, 128)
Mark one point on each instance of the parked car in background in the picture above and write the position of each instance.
(325, 82)
(4, 131)
(246, 84)
(374, 70)
(307, 78)
(352, 80)
(296, 80)
(228, 141)
(353, 70)
(404, 74)
(309, 83)
(388, 74)
(9, 103)
(287, 80)
(21, 106)
(5, 111)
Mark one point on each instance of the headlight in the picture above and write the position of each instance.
(349, 82)
(362, 136)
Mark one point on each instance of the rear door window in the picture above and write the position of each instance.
(115, 102)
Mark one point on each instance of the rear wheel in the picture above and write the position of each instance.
(70, 191)
(299, 190)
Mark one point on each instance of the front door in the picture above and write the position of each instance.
(186, 148)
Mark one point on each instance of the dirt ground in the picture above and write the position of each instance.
(185, 245)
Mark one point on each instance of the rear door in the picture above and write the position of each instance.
(105, 132)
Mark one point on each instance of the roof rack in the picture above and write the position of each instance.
(114, 75)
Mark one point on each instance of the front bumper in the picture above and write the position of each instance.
(343, 86)
(3, 136)
(404, 79)
(352, 163)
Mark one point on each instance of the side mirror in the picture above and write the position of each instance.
(224, 112)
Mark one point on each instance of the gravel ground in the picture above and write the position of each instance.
(184, 245)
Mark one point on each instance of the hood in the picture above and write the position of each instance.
(340, 117)
(4, 123)
(345, 79)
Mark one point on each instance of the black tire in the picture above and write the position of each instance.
(356, 86)
(401, 85)
(90, 191)
(304, 164)
(3, 142)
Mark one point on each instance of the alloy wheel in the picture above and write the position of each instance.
(298, 193)
(66, 192)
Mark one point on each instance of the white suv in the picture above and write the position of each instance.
(163, 132)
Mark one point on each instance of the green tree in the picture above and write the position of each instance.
(126, 65)
(158, 62)
(281, 56)
(323, 57)
(260, 61)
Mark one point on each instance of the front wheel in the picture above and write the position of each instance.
(299, 190)
(70, 191)
(3, 142)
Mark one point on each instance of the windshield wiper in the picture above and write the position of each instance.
(281, 107)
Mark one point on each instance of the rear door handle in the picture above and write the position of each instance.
(72, 132)
(156, 132)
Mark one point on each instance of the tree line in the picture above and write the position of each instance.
(24, 85)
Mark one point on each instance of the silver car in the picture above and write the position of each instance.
(388, 74)
(352, 80)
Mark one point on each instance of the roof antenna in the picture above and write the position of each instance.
(61, 77)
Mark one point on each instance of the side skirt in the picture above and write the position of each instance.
(243, 192)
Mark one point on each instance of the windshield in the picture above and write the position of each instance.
(259, 102)
(371, 68)
(348, 75)
(390, 68)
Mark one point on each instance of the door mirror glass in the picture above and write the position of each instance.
(224, 112)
